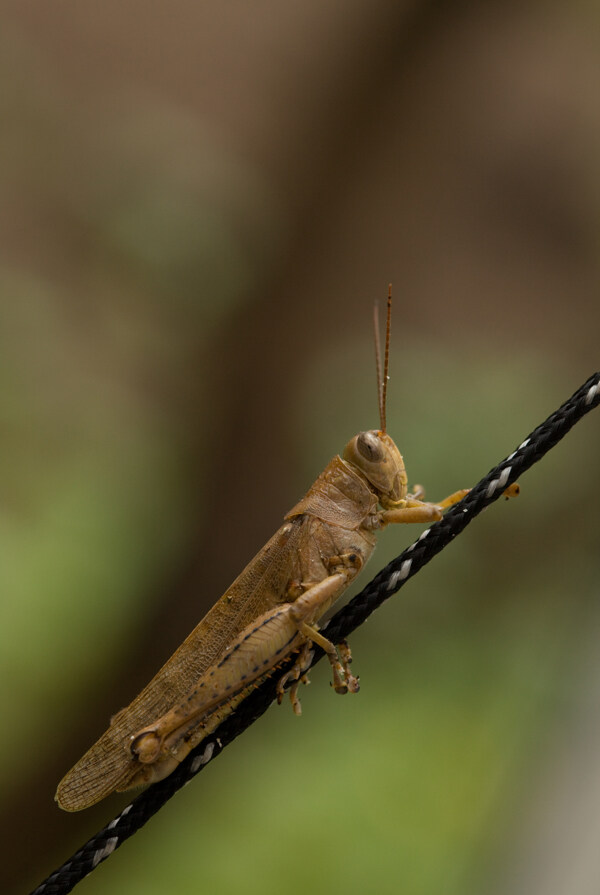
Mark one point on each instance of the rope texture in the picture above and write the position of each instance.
(384, 585)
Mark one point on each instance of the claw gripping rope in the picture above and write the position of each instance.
(384, 585)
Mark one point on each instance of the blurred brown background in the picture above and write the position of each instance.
(199, 204)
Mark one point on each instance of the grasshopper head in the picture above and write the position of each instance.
(376, 456)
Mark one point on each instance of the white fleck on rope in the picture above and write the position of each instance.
(203, 758)
(420, 538)
(108, 849)
(520, 448)
(500, 482)
(592, 393)
(402, 573)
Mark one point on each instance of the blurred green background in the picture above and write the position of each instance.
(198, 205)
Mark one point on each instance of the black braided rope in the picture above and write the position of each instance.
(384, 585)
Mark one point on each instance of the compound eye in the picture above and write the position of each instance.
(369, 447)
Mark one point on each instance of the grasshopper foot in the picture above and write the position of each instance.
(294, 698)
(298, 675)
(345, 655)
(343, 679)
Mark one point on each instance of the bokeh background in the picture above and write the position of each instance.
(199, 204)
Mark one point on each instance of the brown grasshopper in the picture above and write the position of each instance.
(270, 611)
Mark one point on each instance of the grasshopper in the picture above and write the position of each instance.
(270, 611)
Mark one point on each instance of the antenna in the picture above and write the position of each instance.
(382, 379)
(378, 360)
